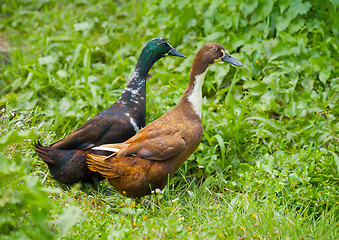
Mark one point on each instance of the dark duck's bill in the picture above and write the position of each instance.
(174, 52)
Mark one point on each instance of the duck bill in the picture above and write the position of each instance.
(228, 58)
(174, 52)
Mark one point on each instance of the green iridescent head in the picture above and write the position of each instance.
(158, 48)
(153, 51)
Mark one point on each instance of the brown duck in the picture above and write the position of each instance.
(147, 160)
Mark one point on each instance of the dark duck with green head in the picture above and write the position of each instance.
(66, 158)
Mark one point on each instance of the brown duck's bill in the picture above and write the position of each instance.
(174, 52)
(228, 58)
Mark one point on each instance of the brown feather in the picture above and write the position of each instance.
(96, 163)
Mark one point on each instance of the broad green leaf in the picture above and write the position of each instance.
(307, 83)
(284, 4)
(15, 137)
(68, 218)
(266, 163)
(291, 109)
(6, 98)
(248, 7)
(262, 11)
(296, 7)
(179, 228)
(324, 75)
(128, 211)
(282, 22)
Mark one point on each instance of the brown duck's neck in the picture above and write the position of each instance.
(193, 94)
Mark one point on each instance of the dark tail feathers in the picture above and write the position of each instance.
(42, 152)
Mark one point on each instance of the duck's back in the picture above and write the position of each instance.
(115, 124)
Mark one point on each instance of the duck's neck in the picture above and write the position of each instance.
(145, 62)
(193, 93)
(136, 88)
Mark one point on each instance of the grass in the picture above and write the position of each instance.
(267, 167)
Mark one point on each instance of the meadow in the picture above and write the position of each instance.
(268, 164)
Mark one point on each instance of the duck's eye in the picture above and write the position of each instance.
(163, 43)
(214, 49)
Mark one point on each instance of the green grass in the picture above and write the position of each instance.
(268, 164)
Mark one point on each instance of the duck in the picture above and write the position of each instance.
(66, 158)
(146, 161)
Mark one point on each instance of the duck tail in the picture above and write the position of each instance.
(98, 163)
(43, 153)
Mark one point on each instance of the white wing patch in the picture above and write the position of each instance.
(106, 149)
(134, 124)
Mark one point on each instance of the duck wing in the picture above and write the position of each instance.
(160, 147)
(90, 133)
